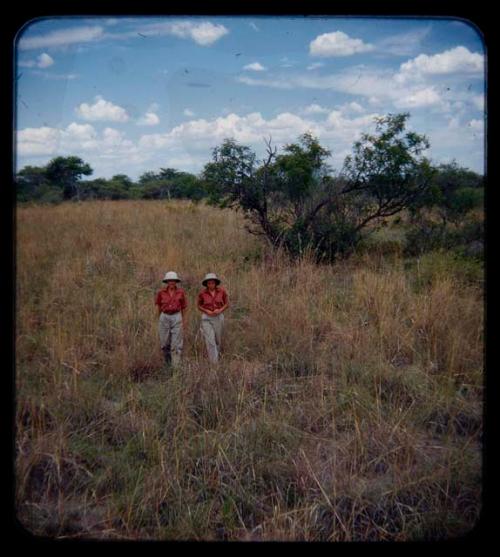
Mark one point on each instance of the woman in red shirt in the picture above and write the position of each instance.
(212, 302)
(172, 304)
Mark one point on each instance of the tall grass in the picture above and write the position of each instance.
(347, 406)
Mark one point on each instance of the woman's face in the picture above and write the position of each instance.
(171, 283)
(211, 284)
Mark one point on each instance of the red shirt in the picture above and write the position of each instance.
(171, 303)
(208, 301)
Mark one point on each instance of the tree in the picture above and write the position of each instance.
(230, 179)
(31, 181)
(170, 183)
(388, 171)
(459, 191)
(65, 173)
(280, 195)
(123, 181)
(118, 187)
(93, 189)
(293, 201)
(181, 185)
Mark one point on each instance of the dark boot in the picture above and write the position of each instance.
(167, 356)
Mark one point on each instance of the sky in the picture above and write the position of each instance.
(130, 95)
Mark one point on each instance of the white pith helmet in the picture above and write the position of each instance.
(171, 275)
(210, 276)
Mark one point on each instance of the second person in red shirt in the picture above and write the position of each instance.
(212, 302)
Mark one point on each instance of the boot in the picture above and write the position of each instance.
(167, 357)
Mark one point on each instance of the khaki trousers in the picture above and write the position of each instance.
(171, 339)
(211, 329)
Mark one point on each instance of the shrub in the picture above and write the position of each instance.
(425, 237)
(50, 195)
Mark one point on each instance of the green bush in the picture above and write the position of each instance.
(50, 195)
(426, 236)
(435, 265)
(465, 239)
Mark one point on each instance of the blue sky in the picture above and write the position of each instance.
(135, 94)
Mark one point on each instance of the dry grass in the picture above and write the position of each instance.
(348, 405)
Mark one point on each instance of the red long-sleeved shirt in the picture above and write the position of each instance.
(208, 301)
(171, 303)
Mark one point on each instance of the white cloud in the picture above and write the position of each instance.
(315, 66)
(64, 76)
(346, 82)
(379, 86)
(202, 134)
(155, 141)
(455, 60)
(277, 83)
(337, 43)
(255, 66)
(337, 130)
(51, 141)
(316, 109)
(286, 63)
(351, 108)
(355, 107)
(38, 141)
(478, 101)
(422, 97)
(43, 61)
(75, 138)
(476, 125)
(404, 44)
(149, 119)
(461, 140)
(113, 138)
(203, 33)
(188, 112)
(102, 110)
(62, 37)
(453, 122)
(83, 132)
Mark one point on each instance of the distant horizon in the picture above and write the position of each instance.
(129, 95)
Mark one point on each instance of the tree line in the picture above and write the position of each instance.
(293, 198)
(61, 180)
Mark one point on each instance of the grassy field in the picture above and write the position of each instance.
(348, 405)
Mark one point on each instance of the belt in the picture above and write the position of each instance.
(171, 312)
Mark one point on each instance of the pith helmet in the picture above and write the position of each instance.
(210, 276)
(171, 275)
